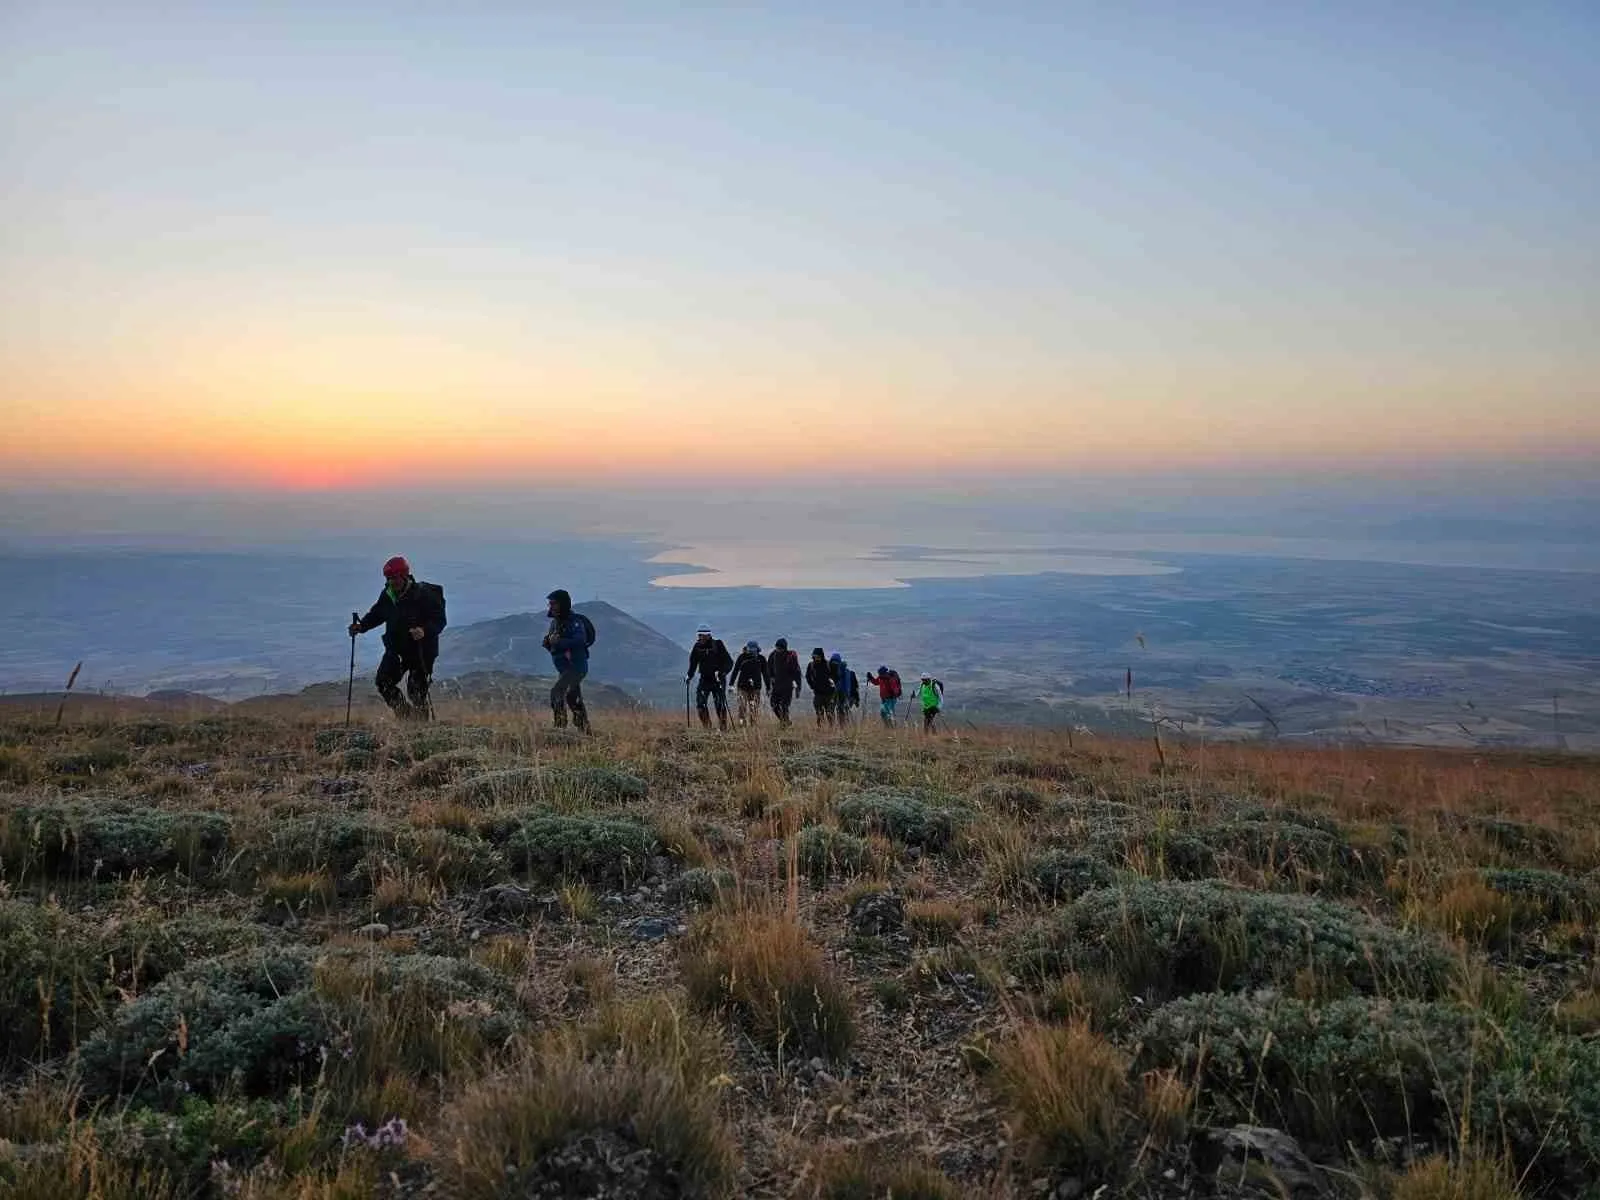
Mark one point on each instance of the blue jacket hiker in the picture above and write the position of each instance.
(568, 640)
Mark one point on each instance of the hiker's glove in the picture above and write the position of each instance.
(417, 633)
(354, 629)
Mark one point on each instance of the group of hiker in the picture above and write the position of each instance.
(412, 614)
(835, 687)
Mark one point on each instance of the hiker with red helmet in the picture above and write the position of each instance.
(412, 616)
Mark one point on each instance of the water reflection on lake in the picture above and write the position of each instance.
(793, 565)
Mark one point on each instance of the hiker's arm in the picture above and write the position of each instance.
(377, 615)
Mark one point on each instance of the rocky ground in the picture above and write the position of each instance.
(271, 957)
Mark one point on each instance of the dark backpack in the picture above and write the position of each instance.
(438, 594)
(588, 628)
(894, 685)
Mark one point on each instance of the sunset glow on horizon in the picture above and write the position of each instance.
(281, 251)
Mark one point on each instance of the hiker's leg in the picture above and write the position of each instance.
(391, 670)
(558, 701)
(702, 697)
(419, 678)
(580, 712)
(720, 695)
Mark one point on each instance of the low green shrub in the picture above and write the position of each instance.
(1359, 1069)
(95, 758)
(607, 851)
(704, 885)
(1064, 875)
(1549, 895)
(328, 741)
(1171, 939)
(509, 786)
(586, 785)
(184, 1144)
(81, 838)
(1520, 842)
(335, 841)
(1278, 815)
(145, 951)
(446, 739)
(566, 786)
(259, 1022)
(16, 766)
(453, 859)
(446, 767)
(1160, 853)
(1013, 799)
(825, 853)
(1291, 848)
(834, 762)
(903, 816)
(55, 984)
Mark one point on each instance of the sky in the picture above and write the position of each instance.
(301, 250)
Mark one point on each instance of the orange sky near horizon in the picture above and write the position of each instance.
(373, 413)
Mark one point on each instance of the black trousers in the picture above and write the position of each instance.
(823, 702)
(711, 690)
(416, 669)
(782, 695)
(568, 693)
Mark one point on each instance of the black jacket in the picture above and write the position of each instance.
(783, 672)
(421, 604)
(749, 672)
(711, 660)
(819, 677)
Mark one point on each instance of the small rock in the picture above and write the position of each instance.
(506, 900)
(876, 914)
(377, 929)
(336, 786)
(1222, 1150)
(652, 929)
(1068, 1189)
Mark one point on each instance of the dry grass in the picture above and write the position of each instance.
(765, 969)
(1469, 1178)
(643, 1068)
(874, 1173)
(1068, 1092)
(935, 920)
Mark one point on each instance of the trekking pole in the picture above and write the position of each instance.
(350, 691)
(686, 724)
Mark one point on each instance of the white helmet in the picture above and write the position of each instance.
(926, 677)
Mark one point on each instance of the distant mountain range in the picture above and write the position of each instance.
(627, 653)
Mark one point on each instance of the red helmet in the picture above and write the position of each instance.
(396, 568)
